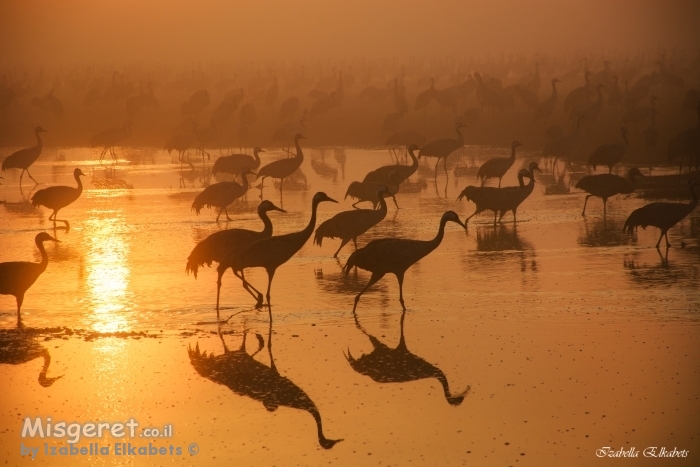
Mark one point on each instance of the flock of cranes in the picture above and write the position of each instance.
(241, 249)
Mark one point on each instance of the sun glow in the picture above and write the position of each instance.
(108, 272)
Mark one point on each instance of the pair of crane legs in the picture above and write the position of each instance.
(255, 293)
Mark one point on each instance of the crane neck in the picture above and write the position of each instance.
(267, 223)
(460, 138)
(414, 164)
(512, 155)
(520, 180)
(39, 143)
(244, 176)
(554, 90)
(383, 209)
(435, 242)
(257, 157)
(308, 230)
(44, 256)
(299, 155)
(80, 183)
(43, 380)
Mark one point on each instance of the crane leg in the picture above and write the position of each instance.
(354, 240)
(400, 279)
(444, 165)
(20, 299)
(499, 181)
(270, 276)
(218, 215)
(55, 219)
(226, 211)
(436, 165)
(605, 207)
(30, 176)
(218, 293)
(262, 184)
(372, 280)
(250, 289)
(668, 245)
(473, 214)
(342, 244)
(395, 203)
(584, 205)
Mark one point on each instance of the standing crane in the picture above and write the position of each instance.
(348, 225)
(222, 194)
(234, 163)
(283, 168)
(685, 143)
(498, 166)
(110, 138)
(17, 276)
(606, 185)
(270, 253)
(661, 215)
(24, 158)
(609, 154)
(58, 197)
(546, 108)
(395, 255)
(442, 148)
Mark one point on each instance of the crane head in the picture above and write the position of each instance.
(78, 172)
(451, 216)
(43, 237)
(517, 144)
(246, 170)
(321, 196)
(413, 147)
(634, 172)
(533, 166)
(383, 191)
(555, 80)
(39, 130)
(257, 150)
(299, 136)
(269, 206)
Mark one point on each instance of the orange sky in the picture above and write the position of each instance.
(68, 31)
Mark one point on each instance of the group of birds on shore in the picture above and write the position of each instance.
(241, 249)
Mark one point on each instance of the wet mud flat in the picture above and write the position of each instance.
(531, 345)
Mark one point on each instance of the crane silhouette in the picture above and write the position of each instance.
(685, 143)
(401, 172)
(501, 200)
(348, 225)
(242, 374)
(661, 215)
(220, 244)
(58, 197)
(110, 138)
(24, 158)
(546, 108)
(222, 194)
(609, 154)
(269, 253)
(606, 185)
(234, 163)
(399, 365)
(395, 255)
(367, 191)
(498, 166)
(442, 148)
(17, 276)
(283, 168)
(17, 346)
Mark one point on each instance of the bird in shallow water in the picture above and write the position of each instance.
(58, 197)
(498, 166)
(16, 277)
(395, 255)
(606, 185)
(24, 158)
(269, 253)
(661, 215)
(222, 194)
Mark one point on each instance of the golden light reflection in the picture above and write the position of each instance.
(108, 272)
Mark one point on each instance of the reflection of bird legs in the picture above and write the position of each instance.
(664, 260)
(181, 158)
(30, 176)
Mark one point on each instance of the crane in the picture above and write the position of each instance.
(24, 158)
(16, 277)
(442, 148)
(222, 194)
(661, 215)
(283, 168)
(609, 154)
(234, 163)
(606, 185)
(498, 166)
(395, 255)
(58, 197)
(110, 138)
(546, 108)
(17, 346)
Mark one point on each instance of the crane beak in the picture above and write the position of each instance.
(279, 209)
(328, 198)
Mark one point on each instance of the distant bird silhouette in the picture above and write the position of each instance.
(348, 225)
(17, 276)
(606, 185)
(234, 163)
(395, 255)
(110, 138)
(367, 191)
(639, 114)
(590, 113)
(219, 245)
(686, 143)
(442, 148)
(24, 158)
(283, 168)
(497, 167)
(562, 147)
(661, 215)
(17, 346)
(181, 142)
(405, 138)
(546, 108)
(289, 108)
(50, 104)
(402, 172)
(242, 374)
(609, 154)
(270, 253)
(222, 194)
(58, 197)
(426, 96)
(578, 96)
(399, 365)
(501, 200)
(195, 103)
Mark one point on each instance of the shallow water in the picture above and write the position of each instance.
(570, 335)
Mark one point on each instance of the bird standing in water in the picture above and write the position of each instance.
(17, 276)
(58, 197)
(395, 255)
(24, 158)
